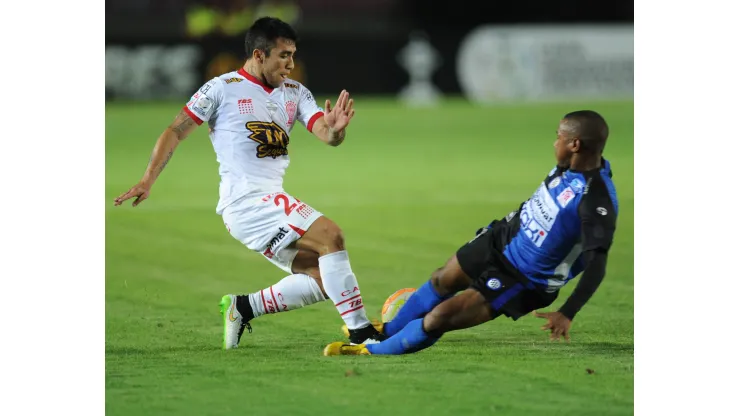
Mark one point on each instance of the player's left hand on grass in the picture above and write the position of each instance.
(557, 323)
(140, 191)
(338, 118)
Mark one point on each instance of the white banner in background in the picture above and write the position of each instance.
(500, 63)
(152, 71)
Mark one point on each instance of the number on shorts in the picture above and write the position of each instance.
(288, 208)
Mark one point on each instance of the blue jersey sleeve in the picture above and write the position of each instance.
(598, 216)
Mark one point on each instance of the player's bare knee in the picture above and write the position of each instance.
(437, 281)
(337, 239)
(333, 238)
(448, 280)
(323, 237)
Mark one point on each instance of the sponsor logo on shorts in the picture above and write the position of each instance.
(275, 240)
(493, 283)
(601, 210)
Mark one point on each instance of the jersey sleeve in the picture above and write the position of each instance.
(598, 216)
(204, 103)
(308, 110)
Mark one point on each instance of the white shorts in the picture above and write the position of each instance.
(269, 223)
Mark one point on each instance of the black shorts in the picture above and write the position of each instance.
(508, 291)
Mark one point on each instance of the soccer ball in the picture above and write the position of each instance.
(394, 303)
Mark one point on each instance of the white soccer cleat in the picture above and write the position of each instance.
(234, 322)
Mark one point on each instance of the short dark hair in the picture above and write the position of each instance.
(590, 127)
(264, 32)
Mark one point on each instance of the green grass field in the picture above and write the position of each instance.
(408, 187)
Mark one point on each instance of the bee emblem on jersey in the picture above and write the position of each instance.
(272, 138)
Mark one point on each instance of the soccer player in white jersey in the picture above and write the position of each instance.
(250, 113)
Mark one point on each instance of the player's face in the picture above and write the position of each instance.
(563, 145)
(278, 65)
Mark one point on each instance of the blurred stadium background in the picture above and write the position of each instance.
(160, 49)
(457, 109)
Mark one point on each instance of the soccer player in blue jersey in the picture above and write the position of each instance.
(518, 264)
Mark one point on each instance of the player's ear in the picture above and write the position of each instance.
(257, 55)
(575, 145)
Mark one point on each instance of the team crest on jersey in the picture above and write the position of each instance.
(577, 185)
(290, 108)
(273, 140)
(235, 79)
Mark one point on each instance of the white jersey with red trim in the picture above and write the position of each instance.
(249, 125)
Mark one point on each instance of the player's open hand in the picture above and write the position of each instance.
(338, 117)
(140, 191)
(557, 323)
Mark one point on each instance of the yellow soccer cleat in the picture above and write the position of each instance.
(342, 348)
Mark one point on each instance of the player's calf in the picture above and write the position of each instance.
(468, 309)
(444, 283)
(325, 238)
(290, 293)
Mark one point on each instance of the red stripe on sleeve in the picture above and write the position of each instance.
(313, 120)
(192, 115)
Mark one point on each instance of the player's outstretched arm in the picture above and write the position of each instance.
(176, 132)
(558, 323)
(598, 224)
(592, 277)
(331, 128)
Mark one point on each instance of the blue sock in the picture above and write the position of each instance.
(418, 305)
(411, 338)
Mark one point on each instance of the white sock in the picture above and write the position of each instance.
(293, 292)
(342, 287)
